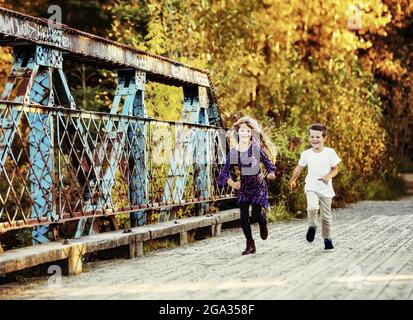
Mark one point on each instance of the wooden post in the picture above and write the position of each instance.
(218, 228)
(212, 230)
(183, 238)
(1, 248)
(75, 260)
(136, 249)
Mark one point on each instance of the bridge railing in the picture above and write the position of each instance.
(59, 164)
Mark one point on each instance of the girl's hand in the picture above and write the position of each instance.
(293, 184)
(233, 184)
(236, 185)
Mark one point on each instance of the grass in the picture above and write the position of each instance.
(389, 188)
(153, 245)
(278, 212)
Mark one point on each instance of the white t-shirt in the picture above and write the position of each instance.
(319, 165)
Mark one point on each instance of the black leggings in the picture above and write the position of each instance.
(256, 216)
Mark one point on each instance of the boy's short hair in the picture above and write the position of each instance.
(318, 127)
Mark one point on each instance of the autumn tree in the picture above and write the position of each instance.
(390, 60)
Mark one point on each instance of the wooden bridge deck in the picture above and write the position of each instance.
(373, 260)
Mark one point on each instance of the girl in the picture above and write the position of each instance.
(249, 147)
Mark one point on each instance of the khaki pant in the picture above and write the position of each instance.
(315, 202)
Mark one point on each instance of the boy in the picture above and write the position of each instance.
(322, 167)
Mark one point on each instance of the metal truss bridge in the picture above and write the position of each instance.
(59, 163)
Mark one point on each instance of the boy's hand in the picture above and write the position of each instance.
(325, 179)
(271, 176)
(293, 184)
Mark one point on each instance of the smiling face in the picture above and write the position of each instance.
(317, 140)
(245, 133)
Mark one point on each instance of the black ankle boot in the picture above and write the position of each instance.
(250, 247)
(264, 231)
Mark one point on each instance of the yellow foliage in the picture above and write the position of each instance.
(5, 65)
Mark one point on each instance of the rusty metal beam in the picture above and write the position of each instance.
(16, 27)
(74, 216)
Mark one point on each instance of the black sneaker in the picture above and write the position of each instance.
(310, 234)
(328, 245)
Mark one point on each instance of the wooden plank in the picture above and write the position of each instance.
(227, 216)
(109, 240)
(18, 259)
(73, 249)
(174, 227)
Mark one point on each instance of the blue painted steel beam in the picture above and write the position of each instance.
(17, 89)
(201, 145)
(126, 91)
(138, 174)
(30, 82)
(41, 155)
(41, 145)
(129, 97)
(197, 143)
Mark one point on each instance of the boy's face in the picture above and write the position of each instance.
(316, 139)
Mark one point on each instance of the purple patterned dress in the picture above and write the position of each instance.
(254, 188)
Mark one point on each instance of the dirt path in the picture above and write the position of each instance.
(373, 260)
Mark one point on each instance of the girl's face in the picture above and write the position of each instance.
(244, 132)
